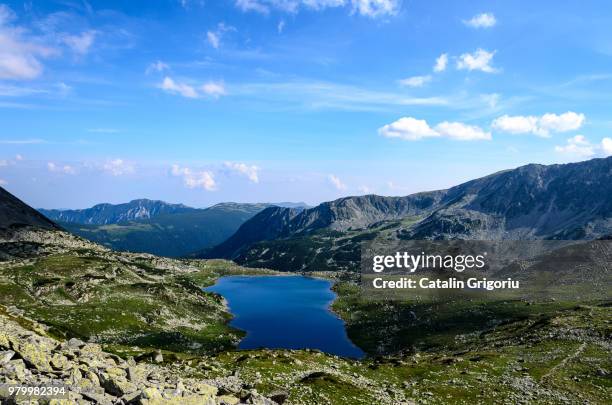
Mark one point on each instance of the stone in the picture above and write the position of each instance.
(228, 400)
(34, 352)
(75, 343)
(158, 357)
(6, 356)
(131, 397)
(115, 383)
(97, 398)
(15, 369)
(205, 389)
(137, 374)
(279, 396)
(59, 362)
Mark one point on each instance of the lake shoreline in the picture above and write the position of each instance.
(294, 298)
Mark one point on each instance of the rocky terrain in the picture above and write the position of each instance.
(568, 201)
(91, 376)
(119, 328)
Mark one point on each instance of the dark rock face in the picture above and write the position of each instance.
(14, 213)
(571, 201)
(103, 214)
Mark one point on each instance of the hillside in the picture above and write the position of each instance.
(173, 235)
(14, 213)
(570, 201)
(103, 214)
(156, 227)
(135, 328)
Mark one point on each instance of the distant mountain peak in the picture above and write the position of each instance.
(105, 213)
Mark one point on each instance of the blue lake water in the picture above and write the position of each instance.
(288, 312)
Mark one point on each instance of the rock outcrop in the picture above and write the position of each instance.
(92, 376)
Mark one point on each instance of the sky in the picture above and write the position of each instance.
(201, 102)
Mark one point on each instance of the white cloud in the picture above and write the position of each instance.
(375, 8)
(157, 66)
(80, 43)
(18, 157)
(195, 179)
(252, 5)
(483, 20)
(184, 90)
(606, 146)
(3, 182)
(491, 99)
(281, 26)
(118, 167)
(408, 128)
(441, 63)
(577, 146)
(540, 126)
(368, 8)
(215, 89)
(213, 39)
(415, 81)
(478, 60)
(336, 182)
(66, 169)
(461, 131)
(19, 56)
(251, 172)
(412, 129)
(517, 124)
(3, 163)
(568, 121)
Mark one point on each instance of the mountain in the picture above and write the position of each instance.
(570, 201)
(103, 214)
(156, 227)
(174, 234)
(14, 213)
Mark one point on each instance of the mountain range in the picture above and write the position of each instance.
(157, 227)
(568, 201)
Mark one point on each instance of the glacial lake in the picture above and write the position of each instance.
(285, 312)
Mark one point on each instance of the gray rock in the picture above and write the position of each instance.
(5, 356)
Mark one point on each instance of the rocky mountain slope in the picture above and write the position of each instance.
(15, 214)
(103, 214)
(570, 201)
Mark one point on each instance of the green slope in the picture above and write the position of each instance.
(172, 235)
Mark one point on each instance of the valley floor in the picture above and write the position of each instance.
(150, 314)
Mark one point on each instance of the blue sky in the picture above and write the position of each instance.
(286, 100)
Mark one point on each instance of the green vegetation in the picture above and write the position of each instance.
(173, 235)
(320, 250)
(446, 352)
(132, 303)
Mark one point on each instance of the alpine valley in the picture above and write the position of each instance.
(119, 327)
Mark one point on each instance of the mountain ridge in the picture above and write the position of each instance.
(562, 201)
(157, 227)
